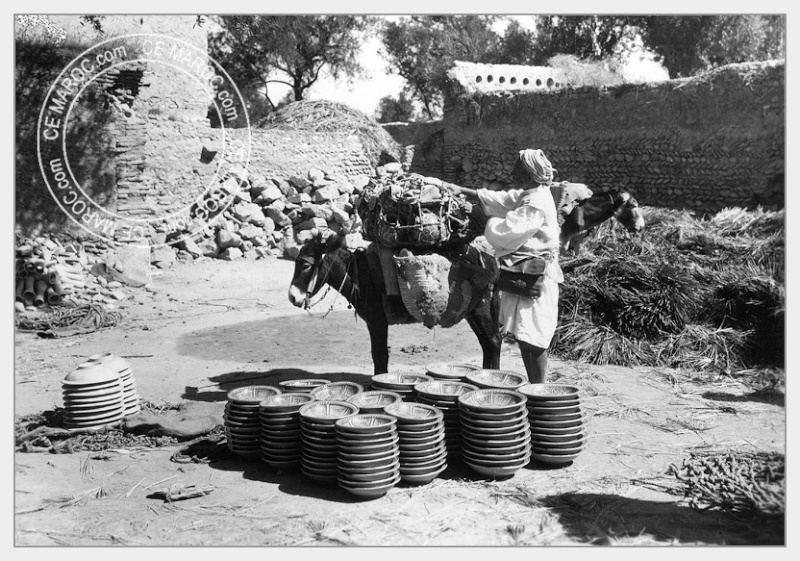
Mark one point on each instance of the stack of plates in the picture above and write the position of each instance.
(444, 395)
(242, 423)
(280, 429)
(557, 423)
(423, 454)
(336, 391)
(123, 367)
(495, 432)
(318, 437)
(302, 386)
(454, 372)
(93, 397)
(368, 454)
(487, 378)
(374, 401)
(398, 382)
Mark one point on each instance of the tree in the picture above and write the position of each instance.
(261, 50)
(422, 48)
(585, 37)
(395, 109)
(688, 44)
(517, 46)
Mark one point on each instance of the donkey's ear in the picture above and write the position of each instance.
(334, 242)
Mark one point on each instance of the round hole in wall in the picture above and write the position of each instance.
(489, 78)
(479, 79)
(538, 82)
(502, 79)
(525, 82)
(513, 80)
(549, 82)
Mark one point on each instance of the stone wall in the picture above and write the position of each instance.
(702, 143)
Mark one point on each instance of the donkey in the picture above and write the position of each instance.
(592, 212)
(356, 276)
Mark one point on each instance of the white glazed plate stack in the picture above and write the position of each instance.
(242, 422)
(495, 432)
(123, 368)
(279, 417)
(93, 398)
(444, 394)
(368, 454)
(399, 382)
(423, 451)
(557, 422)
(318, 438)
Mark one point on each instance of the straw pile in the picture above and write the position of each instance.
(700, 293)
(330, 116)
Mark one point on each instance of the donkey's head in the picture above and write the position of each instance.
(629, 214)
(311, 268)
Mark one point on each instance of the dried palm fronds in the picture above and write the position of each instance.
(698, 347)
(330, 116)
(586, 342)
(744, 485)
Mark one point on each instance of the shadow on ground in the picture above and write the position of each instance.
(599, 519)
(218, 390)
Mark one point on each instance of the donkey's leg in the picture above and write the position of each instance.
(485, 322)
(379, 344)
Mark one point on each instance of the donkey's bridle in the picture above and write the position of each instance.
(316, 265)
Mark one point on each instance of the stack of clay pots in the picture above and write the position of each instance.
(279, 414)
(368, 454)
(93, 397)
(423, 453)
(557, 422)
(318, 437)
(444, 395)
(242, 421)
(123, 368)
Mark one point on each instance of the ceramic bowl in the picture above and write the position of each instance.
(411, 435)
(488, 422)
(554, 459)
(302, 386)
(499, 379)
(370, 476)
(91, 373)
(578, 421)
(443, 389)
(337, 391)
(399, 380)
(449, 371)
(370, 492)
(491, 400)
(549, 392)
(347, 467)
(471, 415)
(498, 471)
(326, 411)
(424, 477)
(412, 415)
(374, 401)
(284, 403)
(538, 436)
(251, 395)
(369, 423)
(109, 359)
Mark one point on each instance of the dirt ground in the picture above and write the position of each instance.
(207, 327)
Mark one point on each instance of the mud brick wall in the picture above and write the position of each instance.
(424, 144)
(703, 143)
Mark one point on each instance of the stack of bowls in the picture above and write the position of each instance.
(279, 415)
(242, 422)
(444, 395)
(368, 454)
(399, 382)
(302, 386)
(336, 391)
(454, 372)
(123, 367)
(93, 397)
(488, 378)
(423, 453)
(557, 422)
(318, 438)
(374, 401)
(495, 432)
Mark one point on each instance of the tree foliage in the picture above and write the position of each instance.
(292, 50)
(422, 48)
(395, 109)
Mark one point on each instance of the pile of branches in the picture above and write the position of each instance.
(62, 322)
(748, 486)
(330, 116)
(699, 293)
